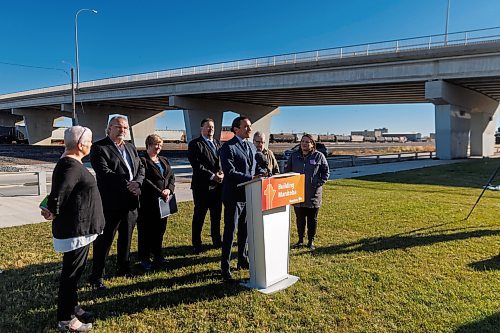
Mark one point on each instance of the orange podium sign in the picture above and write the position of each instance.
(282, 191)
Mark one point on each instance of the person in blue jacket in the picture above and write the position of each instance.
(312, 163)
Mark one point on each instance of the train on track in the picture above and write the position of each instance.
(295, 137)
(11, 135)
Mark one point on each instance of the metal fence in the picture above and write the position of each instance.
(350, 161)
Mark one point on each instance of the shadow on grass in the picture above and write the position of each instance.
(160, 293)
(490, 324)
(401, 241)
(28, 295)
(487, 265)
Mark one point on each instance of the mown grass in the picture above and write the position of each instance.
(394, 255)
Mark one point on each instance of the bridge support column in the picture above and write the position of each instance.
(482, 133)
(39, 124)
(195, 109)
(141, 122)
(460, 111)
(9, 119)
(95, 118)
(452, 132)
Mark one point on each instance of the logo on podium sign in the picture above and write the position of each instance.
(282, 191)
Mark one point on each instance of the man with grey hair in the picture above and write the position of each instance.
(119, 173)
(259, 140)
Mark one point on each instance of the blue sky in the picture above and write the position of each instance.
(128, 37)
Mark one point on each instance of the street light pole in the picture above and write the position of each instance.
(446, 26)
(76, 41)
(73, 98)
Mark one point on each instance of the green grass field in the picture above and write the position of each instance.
(394, 255)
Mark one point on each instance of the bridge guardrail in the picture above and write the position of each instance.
(350, 161)
(341, 161)
(385, 47)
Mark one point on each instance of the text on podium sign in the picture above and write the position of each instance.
(282, 191)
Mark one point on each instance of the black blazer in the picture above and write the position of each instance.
(113, 176)
(239, 166)
(205, 163)
(75, 201)
(154, 183)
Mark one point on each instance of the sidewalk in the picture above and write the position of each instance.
(19, 210)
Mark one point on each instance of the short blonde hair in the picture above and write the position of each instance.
(153, 139)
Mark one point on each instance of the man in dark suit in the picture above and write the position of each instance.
(119, 175)
(238, 164)
(203, 154)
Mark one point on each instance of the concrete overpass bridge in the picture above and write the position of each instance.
(458, 73)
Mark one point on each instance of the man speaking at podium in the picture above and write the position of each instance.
(237, 157)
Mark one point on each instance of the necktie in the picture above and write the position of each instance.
(212, 146)
(249, 152)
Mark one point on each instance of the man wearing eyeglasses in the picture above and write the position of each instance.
(259, 140)
(119, 175)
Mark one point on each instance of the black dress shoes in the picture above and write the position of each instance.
(298, 245)
(97, 285)
(127, 274)
(243, 265)
(227, 277)
(160, 263)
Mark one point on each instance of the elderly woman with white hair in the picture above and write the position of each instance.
(74, 205)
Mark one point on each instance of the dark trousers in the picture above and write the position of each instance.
(204, 201)
(72, 269)
(150, 235)
(234, 218)
(124, 223)
(307, 216)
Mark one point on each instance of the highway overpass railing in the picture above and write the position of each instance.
(429, 42)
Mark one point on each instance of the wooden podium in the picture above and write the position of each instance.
(268, 223)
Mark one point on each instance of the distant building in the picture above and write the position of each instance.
(377, 132)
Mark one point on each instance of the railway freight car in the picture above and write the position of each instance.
(326, 138)
(357, 138)
(283, 137)
(342, 138)
(11, 135)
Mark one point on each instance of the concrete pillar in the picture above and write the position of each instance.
(95, 118)
(452, 132)
(460, 111)
(142, 123)
(261, 121)
(8, 119)
(193, 118)
(195, 109)
(39, 124)
(482, 133)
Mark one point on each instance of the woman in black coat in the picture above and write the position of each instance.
(158, 183)
(74, 206)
